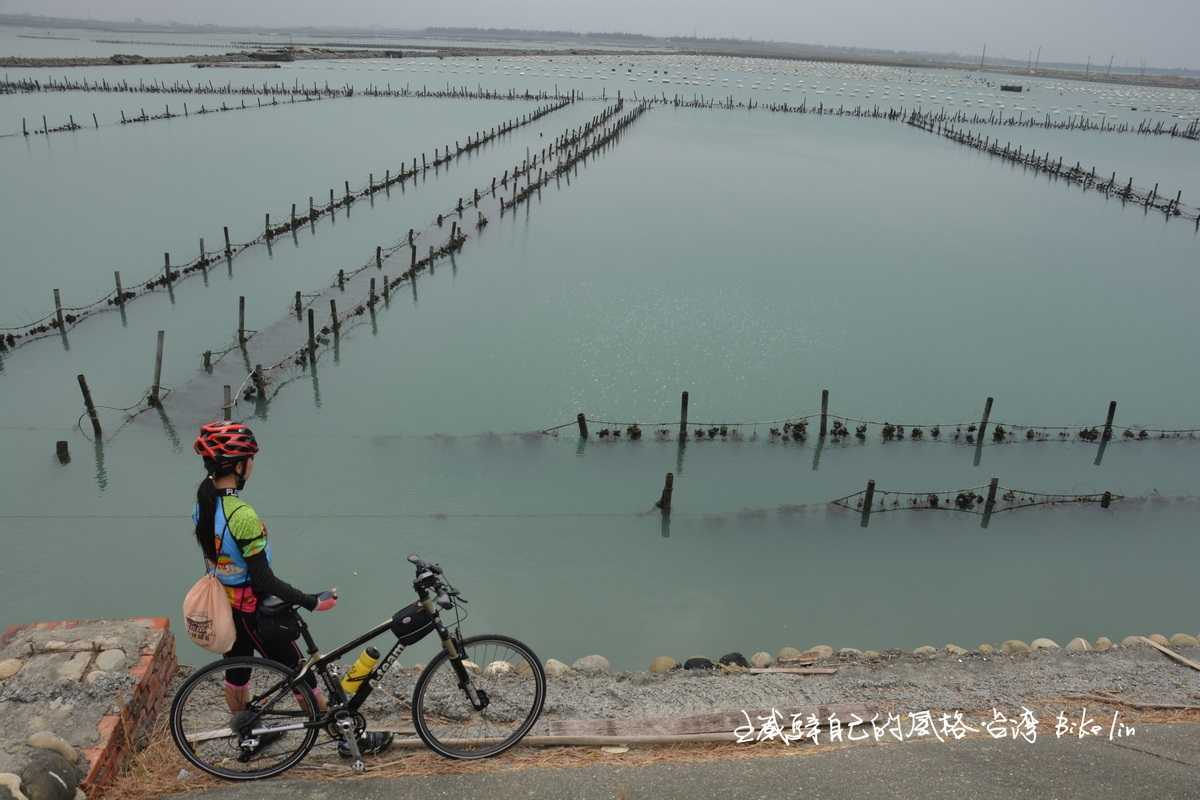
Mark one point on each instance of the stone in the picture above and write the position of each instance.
(49, 776)
(556, 668)
(955, 650)
(872, 655)
(75, 667)
(663, 664)
(45, 740)
(787, 654)
(471, 665)
(10, 787)
(1014, 647)
(1078, 645)
(1102, 644)
(1133, 641)
(523, 668)
(698, 662)
(925, 651)
(10, 667)
(110, 660)
(1044, 644)
(818, 652)
(1158, 638)
(986, 649)
(849, 654)
(1184, 640)
(734, 659)
(591, 664)
(498, 668)
(79, 795)
(760, 660)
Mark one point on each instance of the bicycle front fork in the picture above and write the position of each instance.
(452, 646)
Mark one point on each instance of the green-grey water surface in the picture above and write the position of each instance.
(752, 259)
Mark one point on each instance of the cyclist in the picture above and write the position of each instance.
(234, 539)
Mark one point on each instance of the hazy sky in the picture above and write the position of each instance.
(1163, 32)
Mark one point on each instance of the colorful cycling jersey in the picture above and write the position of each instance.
(238, 534)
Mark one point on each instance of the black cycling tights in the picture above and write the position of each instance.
(248, 641)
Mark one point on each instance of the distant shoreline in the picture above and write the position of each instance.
(313, 53)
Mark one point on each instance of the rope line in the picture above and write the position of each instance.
(12, 337)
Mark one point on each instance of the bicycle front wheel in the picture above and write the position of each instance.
(501, 669)
(245, 734)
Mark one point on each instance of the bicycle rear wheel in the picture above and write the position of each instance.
(500, 668)
(265, 739)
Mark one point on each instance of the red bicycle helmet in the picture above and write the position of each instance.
(225, 442)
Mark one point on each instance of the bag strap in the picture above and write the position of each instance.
(209, 567)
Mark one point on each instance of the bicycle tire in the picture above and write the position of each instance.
(535, 711)
(180, 702)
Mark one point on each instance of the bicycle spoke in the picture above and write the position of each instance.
(503, 673)
(218, 733)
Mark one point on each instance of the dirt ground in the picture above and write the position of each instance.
(1141, 683)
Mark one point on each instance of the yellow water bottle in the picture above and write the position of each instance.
(359, 670)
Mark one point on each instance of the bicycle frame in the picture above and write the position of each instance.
(339, 704)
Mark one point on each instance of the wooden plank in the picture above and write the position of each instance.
(720, 722)
(794, 671)
(1169, 652)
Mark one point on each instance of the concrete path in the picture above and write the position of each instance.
(1157, 762)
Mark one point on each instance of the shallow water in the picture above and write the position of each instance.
(749, 258)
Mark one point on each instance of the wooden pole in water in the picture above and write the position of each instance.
(167, 268)
(868, 501)
(89, 405)
(257, 376)
(342, 280)
(95, 121)
(158, 357)
(347, 185)
(228, 250)
(581, 422)
(267, 228)
(824, 411)
(989, 503)
(987, 412)
(664, 501)
(207, 360)
(371, 296)
(378, 257)
(120, 291)
(58, 311)
(312, 333)
(333, 313)
(228, 403)
(1108, 421)
(386, 288)
(299, 308)
(683, 416)
(63, 451)
(242, 319)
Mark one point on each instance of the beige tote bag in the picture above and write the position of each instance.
(208, 616)
(207, 613)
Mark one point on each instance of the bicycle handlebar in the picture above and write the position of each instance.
(443, 595)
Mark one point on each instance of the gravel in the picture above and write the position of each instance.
(897, 681)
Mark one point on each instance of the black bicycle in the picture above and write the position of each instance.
(477, 697)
